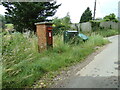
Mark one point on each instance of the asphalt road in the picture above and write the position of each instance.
(102, 72)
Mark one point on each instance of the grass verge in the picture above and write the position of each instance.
(23, 65)
(104, 32)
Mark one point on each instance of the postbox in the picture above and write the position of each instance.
(45, 36)
(49, 37)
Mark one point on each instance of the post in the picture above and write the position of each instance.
(94, 10)
(44, 34)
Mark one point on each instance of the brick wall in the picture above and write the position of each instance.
(42, 40)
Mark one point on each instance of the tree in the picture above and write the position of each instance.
(25, 14)
(61, 24)
(111, 17)
(86, 16)
(66, 19)
(2, 22)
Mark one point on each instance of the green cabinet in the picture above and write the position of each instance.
(68, 35)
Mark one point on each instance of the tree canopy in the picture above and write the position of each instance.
(111, 17)
(86, 16)
(61, 24)
(2, 22)
(25, 14)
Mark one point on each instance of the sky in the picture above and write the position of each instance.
(77, 7)
(119, 10)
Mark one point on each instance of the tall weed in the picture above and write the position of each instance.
(23, 65)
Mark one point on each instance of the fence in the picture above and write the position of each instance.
(87, 26)
(109, 25)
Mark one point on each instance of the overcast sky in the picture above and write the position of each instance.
(77, 7)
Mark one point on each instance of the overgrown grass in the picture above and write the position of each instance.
(23, 65)
(107, 33)
(104, 32)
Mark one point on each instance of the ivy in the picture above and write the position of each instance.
(95, 25)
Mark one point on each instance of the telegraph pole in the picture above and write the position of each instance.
(94, 10)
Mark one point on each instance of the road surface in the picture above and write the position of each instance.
(102, 72)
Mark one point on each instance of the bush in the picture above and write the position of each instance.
(95, 25)
(61, 24)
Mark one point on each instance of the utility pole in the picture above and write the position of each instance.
(94, 10)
